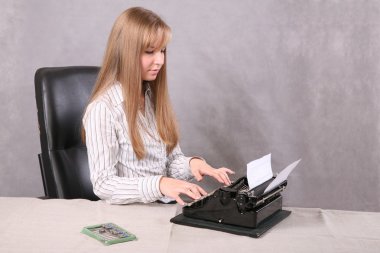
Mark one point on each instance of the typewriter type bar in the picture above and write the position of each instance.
(237, 205)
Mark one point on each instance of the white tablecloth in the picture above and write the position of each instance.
(34, 225)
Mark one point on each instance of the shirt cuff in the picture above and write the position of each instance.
(149, 188)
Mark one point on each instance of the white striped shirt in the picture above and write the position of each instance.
(117, 175)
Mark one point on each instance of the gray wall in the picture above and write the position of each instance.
(298, 79)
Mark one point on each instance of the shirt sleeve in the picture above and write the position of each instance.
(179, 165)
(102, 149)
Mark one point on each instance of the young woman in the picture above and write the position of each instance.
(129, 125)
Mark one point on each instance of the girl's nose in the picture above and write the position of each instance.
(159, 58)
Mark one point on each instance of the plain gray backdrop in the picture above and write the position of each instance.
(298, 79)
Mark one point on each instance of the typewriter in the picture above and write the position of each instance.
(238, 209)
(237, 205)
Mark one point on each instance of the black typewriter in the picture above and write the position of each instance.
(237, 205)
(236, 209)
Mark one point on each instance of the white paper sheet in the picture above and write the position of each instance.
(281, 177)
(259, 171)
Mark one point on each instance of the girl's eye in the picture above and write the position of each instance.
(152, 51)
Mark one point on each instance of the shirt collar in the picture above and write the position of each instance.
(148, 90)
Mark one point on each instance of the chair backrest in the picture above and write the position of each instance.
(62, 94)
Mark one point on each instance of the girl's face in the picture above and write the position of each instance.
(151, 60)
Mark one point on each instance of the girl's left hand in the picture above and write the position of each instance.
(200, 168)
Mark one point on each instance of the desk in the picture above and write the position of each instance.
(54, 226)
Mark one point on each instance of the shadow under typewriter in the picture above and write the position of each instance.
(236, 209)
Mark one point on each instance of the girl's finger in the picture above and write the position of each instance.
(219, 178)
(197, 175)
(203, 192)
(179, 200)
(228, 170)
(196, 192)
(188, 192)
(226, 177)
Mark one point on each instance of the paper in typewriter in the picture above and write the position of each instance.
(281, 177)
(259, 171)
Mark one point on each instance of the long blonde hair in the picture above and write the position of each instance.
(132, 33)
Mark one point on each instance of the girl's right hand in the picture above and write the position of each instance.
(172, 188)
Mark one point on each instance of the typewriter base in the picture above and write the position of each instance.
(251, 232)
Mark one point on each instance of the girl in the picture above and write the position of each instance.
(129, 125)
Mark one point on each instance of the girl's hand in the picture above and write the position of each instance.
(172, 188)
(199, 168)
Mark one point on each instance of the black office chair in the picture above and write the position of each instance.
(61, 95)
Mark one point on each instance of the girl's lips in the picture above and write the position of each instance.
(154, 71)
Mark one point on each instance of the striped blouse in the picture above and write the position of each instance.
(117, 175)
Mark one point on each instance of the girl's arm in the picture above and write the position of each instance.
(102, 149)
(179, 165)
(187, 168)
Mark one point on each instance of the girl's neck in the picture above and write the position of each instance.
(144, 86)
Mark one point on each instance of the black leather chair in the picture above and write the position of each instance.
(61, 95)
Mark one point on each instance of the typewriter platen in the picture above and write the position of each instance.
(237, 205)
